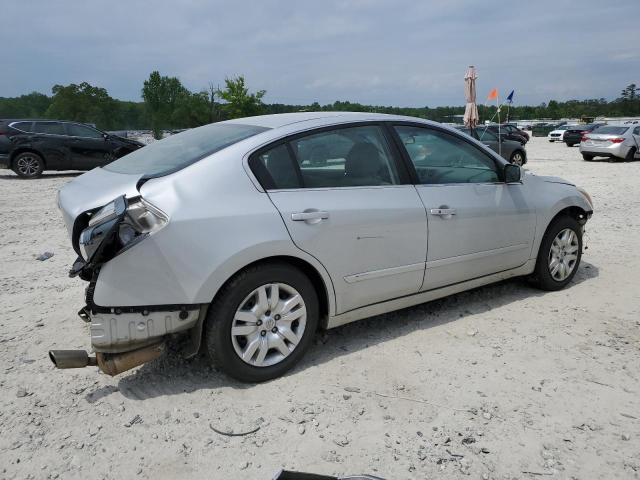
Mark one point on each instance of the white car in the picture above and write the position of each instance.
(557, 135)
(246, 236)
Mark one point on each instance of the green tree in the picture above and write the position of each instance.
(160, 94)
(240, 103)
(191, 110)
(83, 103)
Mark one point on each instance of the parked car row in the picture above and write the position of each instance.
(29, 147)
(601, 140)
(511, 150)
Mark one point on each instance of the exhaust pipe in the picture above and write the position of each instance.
(71, 358)
(110, 363)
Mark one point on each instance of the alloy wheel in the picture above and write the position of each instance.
(516, 159)
(268, 324)
(563, 254)
(28, 165)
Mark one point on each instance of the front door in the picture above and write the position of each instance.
(345, 199)
(89, 148)
(478, 225)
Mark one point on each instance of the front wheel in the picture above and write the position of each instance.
(517, 158)
(28, 165)
(559, 255)
(261, 323)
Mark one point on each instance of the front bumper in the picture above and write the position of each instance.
(4, 161)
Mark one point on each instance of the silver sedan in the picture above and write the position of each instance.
(616, 142)
(244, 237)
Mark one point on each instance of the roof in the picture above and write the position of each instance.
(282, 119)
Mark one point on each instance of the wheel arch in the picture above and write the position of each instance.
(574, 211)
(322, 285)
(320, 280)
(17, 151)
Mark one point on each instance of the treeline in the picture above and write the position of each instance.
(168, 105)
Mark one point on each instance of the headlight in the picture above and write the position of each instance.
(586, 196)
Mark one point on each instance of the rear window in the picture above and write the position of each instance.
(178, 151)
(611, 130)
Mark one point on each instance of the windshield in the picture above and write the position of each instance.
(610, 130)
(178, 151)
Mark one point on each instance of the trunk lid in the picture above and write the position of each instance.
(93, 190)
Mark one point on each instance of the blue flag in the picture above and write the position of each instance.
(510, 97)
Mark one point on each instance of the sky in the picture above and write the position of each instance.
(394, 52)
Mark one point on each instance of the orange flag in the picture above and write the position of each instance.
(493, 94)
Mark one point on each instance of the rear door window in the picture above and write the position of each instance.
(275, 168)
(49, 128)
(346, 157)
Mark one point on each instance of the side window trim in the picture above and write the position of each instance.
(396, 155)
(13, 125)
(409, 163)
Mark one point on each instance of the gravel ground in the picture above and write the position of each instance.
(502, 382)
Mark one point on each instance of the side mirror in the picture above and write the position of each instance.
(512, 173)
(105, 136)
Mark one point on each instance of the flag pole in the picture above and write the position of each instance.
(499, 136)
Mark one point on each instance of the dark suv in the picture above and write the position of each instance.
(574, 133)
(29, 147)
(508, 131)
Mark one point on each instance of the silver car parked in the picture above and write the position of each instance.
(611, 141)
(246, 236)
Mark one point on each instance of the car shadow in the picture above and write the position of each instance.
(44, 176)
(171, 374)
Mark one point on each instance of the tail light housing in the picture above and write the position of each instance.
(616, 140)
(584, 138)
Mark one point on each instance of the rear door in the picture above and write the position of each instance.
(89, 148)
(346, 199)
(478, 225)
(50, 139)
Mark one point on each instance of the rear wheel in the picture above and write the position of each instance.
(517, 158)
(559, 255)
(570, 144)
(587, 157)
(28, 165)
(630, 155)
(262, 322)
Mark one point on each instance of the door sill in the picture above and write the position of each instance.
(427, 296)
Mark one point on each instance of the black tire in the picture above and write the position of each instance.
(586, 157)
(518, 158)
(218, 339)
(570, 144)
(28, 165)
(630, 155)
(542, 277)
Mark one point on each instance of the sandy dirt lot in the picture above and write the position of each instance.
(504, 382)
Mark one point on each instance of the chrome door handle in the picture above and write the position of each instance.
(304, 216)
(442, 211)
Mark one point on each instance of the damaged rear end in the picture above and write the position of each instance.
(122, 337)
